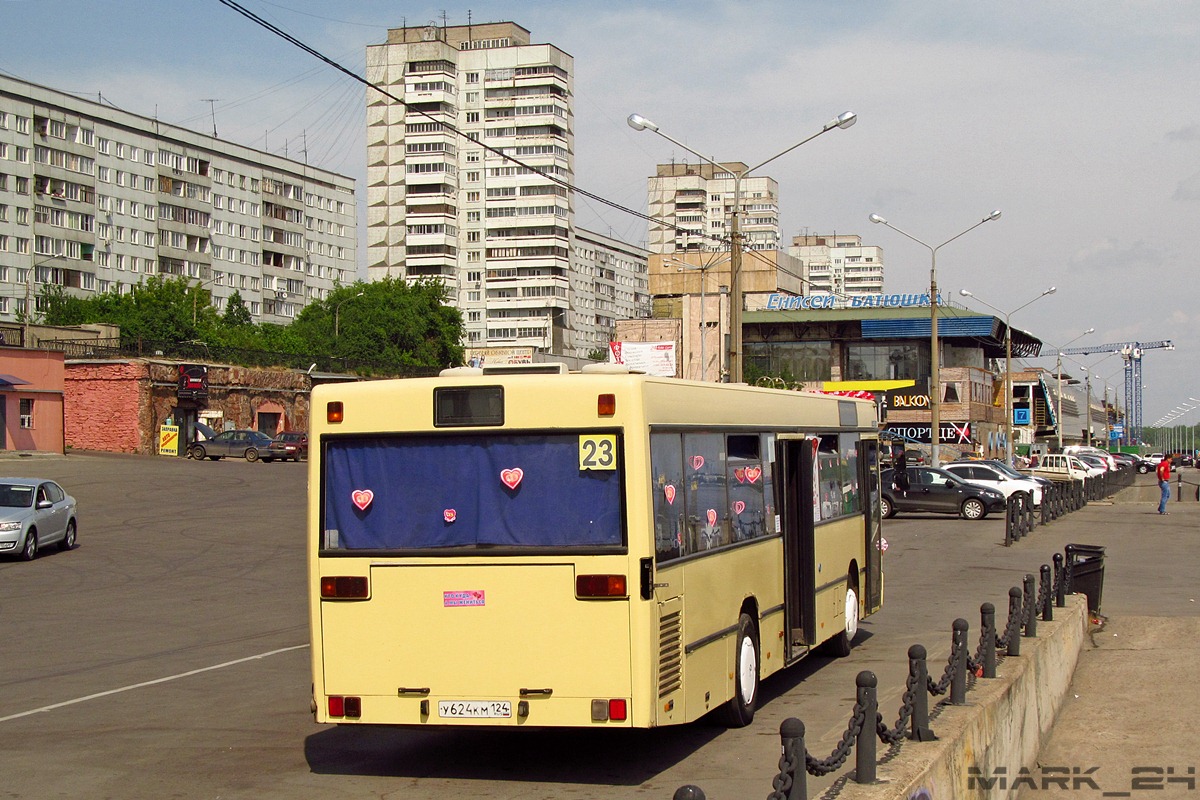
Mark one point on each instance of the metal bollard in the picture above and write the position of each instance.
(918, 668)
(864, 748)
(1030, 605)
(688, 792)
(1047, 594)
(1060, 579)
(958, 652)
(792, 781)
(1009, 533)
(1013, 631)
(987, 619)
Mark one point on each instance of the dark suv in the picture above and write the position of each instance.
(291, 445)
(938, 491)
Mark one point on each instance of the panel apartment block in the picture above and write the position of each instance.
(94, 199)
(467, 184)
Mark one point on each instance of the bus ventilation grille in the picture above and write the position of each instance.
(670, 653)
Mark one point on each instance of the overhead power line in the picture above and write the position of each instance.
(250, 15)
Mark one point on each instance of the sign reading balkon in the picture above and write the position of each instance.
(783, 302)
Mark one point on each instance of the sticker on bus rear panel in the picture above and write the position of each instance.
(472, 597)
(597, 451)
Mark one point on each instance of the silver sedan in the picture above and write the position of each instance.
(35, 513)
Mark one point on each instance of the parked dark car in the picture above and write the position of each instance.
(247, 444)
(290, 445)
(937, 491)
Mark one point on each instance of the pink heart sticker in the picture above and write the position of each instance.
(697, 462)
(669, 491)
(449, 515)
(753, 474)
(712, 517)
(362, 498)
(512, 477)
(740, 474)
(739, 506)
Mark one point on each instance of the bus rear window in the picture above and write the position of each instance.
(473, 491)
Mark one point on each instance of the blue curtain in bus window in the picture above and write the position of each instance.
(666, 463)
(707, 501)
(462, 491)
(744, 476)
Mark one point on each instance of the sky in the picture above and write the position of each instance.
(1080, 121)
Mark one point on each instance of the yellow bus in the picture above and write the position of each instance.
(586, 549)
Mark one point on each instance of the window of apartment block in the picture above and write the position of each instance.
(26, 413)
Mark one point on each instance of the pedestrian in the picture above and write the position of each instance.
(901, 473)
(1164, 483)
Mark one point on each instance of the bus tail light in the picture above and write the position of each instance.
(606, 405)
(348, 707)
(601, 586)
(333, 412)
(616, 710)
(344, 587)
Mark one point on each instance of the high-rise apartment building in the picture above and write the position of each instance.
(839, 265)
(467, 184)
(692, 202)
(95, 199)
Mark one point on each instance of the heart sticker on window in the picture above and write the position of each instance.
(740, 474)
(512, 477)
(712, 517)
(449, 515)
(362, 498)
(669, 491)
(753, 474)
(739, 506)
(697, 462)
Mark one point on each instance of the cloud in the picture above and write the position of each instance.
(1188, 190)
(1109, 256)
(1188, 133)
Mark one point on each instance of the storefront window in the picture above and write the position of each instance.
(799, 361)
(882, 362)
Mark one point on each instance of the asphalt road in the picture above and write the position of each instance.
(167, 656)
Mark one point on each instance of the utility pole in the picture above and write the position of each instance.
(212, 101)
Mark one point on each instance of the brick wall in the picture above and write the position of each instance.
(104, 403)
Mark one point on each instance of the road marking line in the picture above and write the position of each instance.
(144, 684)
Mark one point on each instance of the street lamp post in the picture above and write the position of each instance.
(337, 312)
(1058, 413)
(1008, 406)
(640, 123)
(935, 400)
(196, 295)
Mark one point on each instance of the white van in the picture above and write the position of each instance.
(1060, 467)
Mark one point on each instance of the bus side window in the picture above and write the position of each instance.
(709, 513)
(666, 467)
(744, 476)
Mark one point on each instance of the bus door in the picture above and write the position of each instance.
(868, 460)
(795, 457)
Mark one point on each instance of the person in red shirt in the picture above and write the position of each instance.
(1164, 482)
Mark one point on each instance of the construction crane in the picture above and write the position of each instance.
(1132, 353)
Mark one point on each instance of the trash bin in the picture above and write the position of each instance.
(1085, 573)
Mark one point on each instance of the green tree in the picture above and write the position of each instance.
(236, 314)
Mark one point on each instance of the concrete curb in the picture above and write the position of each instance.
(983, 745)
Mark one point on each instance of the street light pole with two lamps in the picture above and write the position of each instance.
(1058, 413)
(1008, 389)
(640, 123)
(935, 399)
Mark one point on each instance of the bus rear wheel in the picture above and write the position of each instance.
(739, 709)
(841, 644)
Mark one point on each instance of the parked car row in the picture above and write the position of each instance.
(251, 445)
